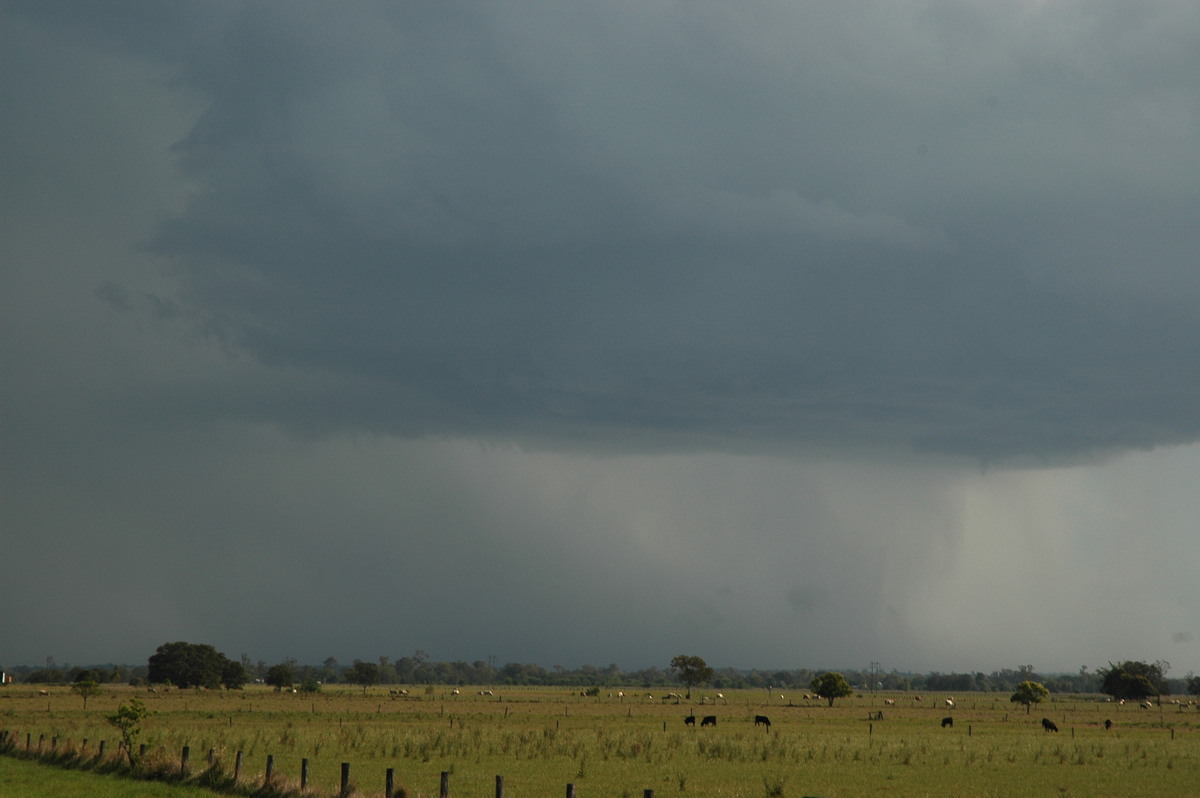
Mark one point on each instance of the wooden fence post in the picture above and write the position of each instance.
(270, 770)
(183, 760)
(100, 755)
(345, 789)
(389, 783)
(237, 766)
(304, 774)
(570, 791)
(499, 787)
(444, 790)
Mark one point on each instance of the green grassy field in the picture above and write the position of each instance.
(27, 779)
(540, 740)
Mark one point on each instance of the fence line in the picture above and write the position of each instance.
(9, 746)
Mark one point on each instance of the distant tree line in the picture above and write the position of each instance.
(185, 665)
(69, 674)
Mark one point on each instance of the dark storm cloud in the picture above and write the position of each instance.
(335, 305)
(699, 225)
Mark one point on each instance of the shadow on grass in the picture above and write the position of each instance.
(214, 777)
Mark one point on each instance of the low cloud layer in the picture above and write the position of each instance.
(591, 333)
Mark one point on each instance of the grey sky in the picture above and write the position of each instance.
(800, 334)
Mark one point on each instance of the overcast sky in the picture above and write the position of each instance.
(788, 334)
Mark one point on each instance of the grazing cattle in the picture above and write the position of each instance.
(950, 703)
(690, 720)
(1107, 724)
(889, 702)
(1049, 725)
(1146, 705)
(709, 720)
(916, 698)
(43, 692)
(762, 720)
(947, 722)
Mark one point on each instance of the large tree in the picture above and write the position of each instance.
(1132, 680)
(1029, 693)
(280, 676)
(692, 671)
(831, 685)
(234, 675)
(188, 665)
(362, 673)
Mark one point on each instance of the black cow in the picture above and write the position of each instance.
(947, 722)
(690, 720)
(1107, 724)
(1048, 725)
(709, 720)
(762, 720)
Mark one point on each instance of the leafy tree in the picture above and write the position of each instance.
(1131, 679)
(310, 685)
(128, 722)
(234, 676)
(692, 671)
(280, 676)
(1193, 685)
(831, 685)
(1029, 693)
(187, 665)
(362, 673)
(85, 689)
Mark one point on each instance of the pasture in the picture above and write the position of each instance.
(539, 740)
